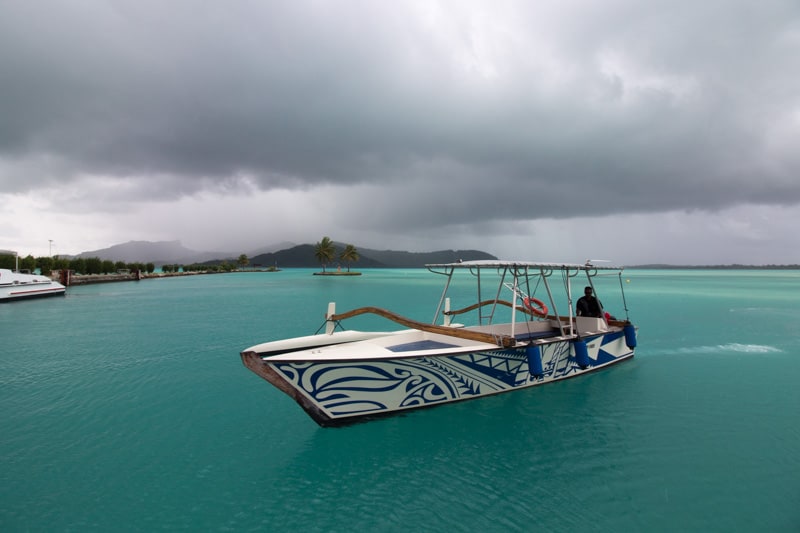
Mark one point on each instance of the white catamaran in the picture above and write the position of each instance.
(515, 340)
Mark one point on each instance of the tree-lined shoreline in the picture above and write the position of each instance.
(95, 266)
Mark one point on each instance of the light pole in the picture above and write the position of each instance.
(51, 247)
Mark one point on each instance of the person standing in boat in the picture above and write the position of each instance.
(588, 305)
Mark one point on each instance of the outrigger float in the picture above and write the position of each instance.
(344, 376)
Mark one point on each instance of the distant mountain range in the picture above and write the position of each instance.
(282, 255)
(167, 252)
(164, 252)
(302, 256)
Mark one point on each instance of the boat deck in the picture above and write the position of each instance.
(430, 344)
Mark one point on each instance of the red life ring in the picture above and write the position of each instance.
(535, 306)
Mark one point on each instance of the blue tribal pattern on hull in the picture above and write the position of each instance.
(345, 389)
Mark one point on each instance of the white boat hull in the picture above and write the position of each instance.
(350, 388)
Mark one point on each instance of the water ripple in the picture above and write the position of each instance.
(731, 347)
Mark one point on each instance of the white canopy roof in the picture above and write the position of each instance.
(524, 264)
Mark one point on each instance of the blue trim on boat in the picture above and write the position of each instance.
(420, 345)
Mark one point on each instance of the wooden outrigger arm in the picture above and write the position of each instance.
(500, 340)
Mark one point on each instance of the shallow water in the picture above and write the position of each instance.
(125, 407)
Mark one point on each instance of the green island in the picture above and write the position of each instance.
(325, 252)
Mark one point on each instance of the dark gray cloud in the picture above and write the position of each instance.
(440, 113)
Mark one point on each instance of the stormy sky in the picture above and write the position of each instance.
(662, 131)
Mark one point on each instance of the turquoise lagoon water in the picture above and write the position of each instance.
(125, 407)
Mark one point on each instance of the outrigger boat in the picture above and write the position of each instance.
(515, 341)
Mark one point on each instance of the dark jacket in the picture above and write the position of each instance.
(589, 306)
